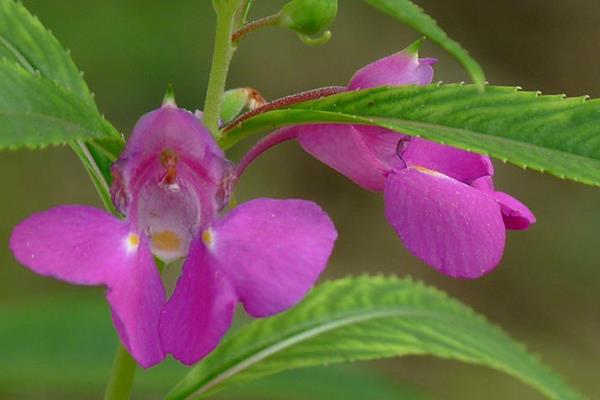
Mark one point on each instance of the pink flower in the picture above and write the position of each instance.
(440, 200)
(171, 183)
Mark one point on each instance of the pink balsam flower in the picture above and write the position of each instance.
(171, 183)
(440, 200)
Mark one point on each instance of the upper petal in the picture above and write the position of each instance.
(458, 164)
(85, 245)
(200, 310)
(172, 128)
(453, 227)
(170, 147)
(344, 148)
(398, 69)
(272, 251)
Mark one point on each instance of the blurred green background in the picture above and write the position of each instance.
(56, 341)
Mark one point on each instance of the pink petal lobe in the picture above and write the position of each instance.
(272, 251)
(395, 70)
(136, 297)
(201, 309)
(85, 245)
(76, 244)
(516, 215)
(453, 227)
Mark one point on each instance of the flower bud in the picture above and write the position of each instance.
(238, 101)
(309, 17)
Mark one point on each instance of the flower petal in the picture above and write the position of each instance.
(343, 148)
(172, 128)
(84, 245)
(136, 296)
(453, 227)
(458, 164)
(272, 251)
(171, 147)
(77, 244)
(200, 310)
(516, 215)
(395, 70)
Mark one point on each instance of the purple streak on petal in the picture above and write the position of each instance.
(200, 310)
(344, 149)
(85, 245)
(395, 70)
(273, 251)
(458, 164)
(453, 227)
(516, 215)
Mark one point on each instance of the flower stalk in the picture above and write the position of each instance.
(226, 11)
(121, 377)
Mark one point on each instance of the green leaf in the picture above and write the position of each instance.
(360, 319)
(35, 112)
(47, 329)
(26, 41)
(551, 134)
(320, 383)
(412, 15)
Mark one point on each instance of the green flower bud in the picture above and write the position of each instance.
(308, 17)
(238, 101)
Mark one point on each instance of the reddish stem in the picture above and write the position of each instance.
(264, 22)
(285, 102)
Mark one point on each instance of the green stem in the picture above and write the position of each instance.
(93, 170)
(242, 14)
(121, 377)
(222, 54)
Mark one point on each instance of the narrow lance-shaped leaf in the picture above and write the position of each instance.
(24, 40)
(413, 16)
(35, 112)
(84, 367)
(361, 319)
(551, 134)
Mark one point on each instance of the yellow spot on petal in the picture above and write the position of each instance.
(133, 241)
(208, 238)
(167, 241)
(429, 171)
